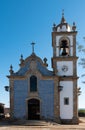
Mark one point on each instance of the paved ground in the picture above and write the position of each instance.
(45, 126)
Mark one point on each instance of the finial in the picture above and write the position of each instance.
(21, 60)
(63, 19)
(11, 67)
(74, 26)
(62, 12)
(32, 46)
(45, 62)
(11, 70)
(21, 57)
(54, 27)
(73, 23)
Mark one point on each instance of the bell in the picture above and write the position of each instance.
(64, 52)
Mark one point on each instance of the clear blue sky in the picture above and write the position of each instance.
(24, 21)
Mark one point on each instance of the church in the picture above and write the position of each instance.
(37, 93)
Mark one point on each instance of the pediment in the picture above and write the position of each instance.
(33, 64)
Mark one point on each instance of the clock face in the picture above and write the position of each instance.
(64, 68)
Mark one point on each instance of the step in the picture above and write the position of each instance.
(30, 122)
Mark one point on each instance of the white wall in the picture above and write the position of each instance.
(57, 40)
(69, 64)
(64, 28)
(66, 111)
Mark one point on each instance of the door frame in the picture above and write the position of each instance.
(27, 100)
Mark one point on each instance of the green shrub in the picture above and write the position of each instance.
(81, 112)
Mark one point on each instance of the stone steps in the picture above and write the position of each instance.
(36, 123)
(27, 122)
(33, 123)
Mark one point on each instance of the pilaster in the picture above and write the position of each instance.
(11, 99)
(56, 101)
(75, 103)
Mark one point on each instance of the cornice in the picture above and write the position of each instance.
(16, 77)
(64, 33)
(63, 58)
(68, 78)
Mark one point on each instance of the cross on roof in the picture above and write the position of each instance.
(32, 46)
(62, 12)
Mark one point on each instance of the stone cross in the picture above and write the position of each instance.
(63, 12)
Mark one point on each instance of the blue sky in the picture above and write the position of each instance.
(26, 21)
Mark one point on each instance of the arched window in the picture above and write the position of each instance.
(33, 83)
(64, 48)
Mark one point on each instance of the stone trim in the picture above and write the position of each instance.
(67, 78)
(74, 67)
(11, 99)
(74, 45)
(64, 58)
(25, 77)
(27, 105)
(64, 33)
(56, 101)
(16, 77)
(75, 99)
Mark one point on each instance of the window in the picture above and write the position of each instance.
(33, 83)
(64, 48)
(66, 101)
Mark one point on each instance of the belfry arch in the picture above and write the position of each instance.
(64, 47)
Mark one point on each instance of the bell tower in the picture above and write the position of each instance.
(64, 64)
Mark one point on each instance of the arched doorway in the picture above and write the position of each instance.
(33, 109)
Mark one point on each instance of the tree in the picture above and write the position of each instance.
(81, 53)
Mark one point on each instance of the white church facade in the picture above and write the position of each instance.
(37, 93)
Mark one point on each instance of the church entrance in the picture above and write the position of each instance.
(33, 109)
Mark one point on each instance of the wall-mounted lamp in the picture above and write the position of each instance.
(60, 88)
(6, 88)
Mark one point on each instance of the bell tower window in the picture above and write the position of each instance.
(33, 83)
(64, 48)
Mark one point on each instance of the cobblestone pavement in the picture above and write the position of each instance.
(42, 128)
(49, 126)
